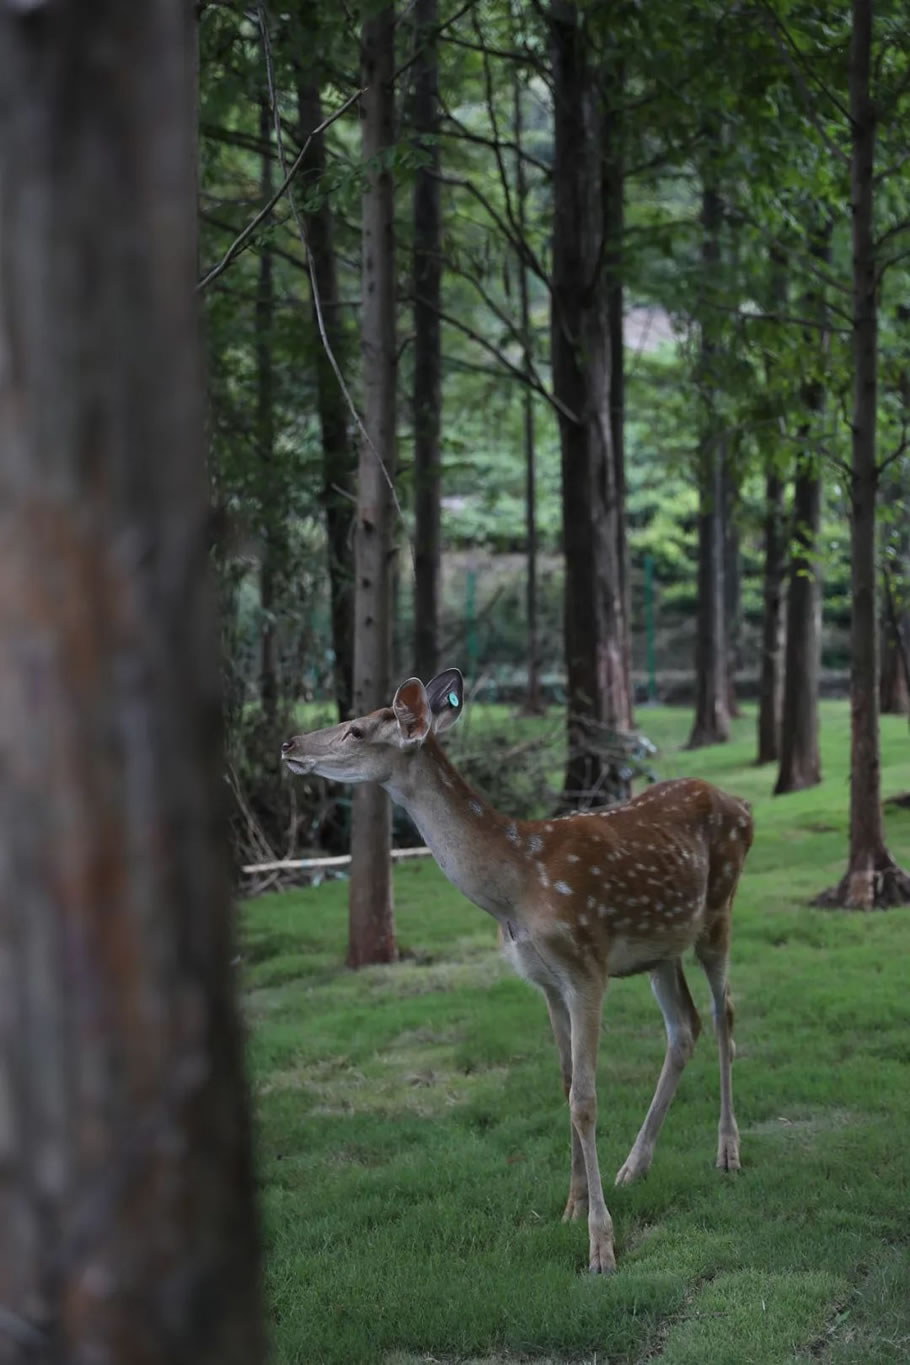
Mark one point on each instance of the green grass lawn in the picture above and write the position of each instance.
(413, 1140)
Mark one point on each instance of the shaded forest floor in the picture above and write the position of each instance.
(413, 1138)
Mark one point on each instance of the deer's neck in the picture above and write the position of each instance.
(471, 842)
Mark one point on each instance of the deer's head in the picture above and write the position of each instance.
(378, 747)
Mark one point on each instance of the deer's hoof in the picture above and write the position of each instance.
(576, 1208)
(728, 1152)
(633, 1168)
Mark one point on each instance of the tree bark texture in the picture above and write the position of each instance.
(372, 921)
(339, 453)
(770, 688)
(127, 1223)
(614, 217)
(596, 633)
(872, 880)
(533, 702)
(427, 345)
(712, 717)
(732, 579)
(895, 637)
(800, 760)
(894, 671)
(271, 503)
(894, 688)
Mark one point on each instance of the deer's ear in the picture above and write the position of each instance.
(445, 694)
(412, 711)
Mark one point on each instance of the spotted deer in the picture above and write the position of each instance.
(578, 899)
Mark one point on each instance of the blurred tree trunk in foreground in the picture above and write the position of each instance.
(127, 1226)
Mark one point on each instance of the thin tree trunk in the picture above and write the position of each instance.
(127, 1221)
(533, 701)
(372, 921)
(271, 504)
(771, 681)
(732, 581)
(614, 211)
(427, 351)
(339, 454)
(597, 663)
(800, 761)
(895, 683)
(770, 689)
(712, 718)
(872, 880)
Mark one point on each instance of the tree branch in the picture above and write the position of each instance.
(239, 242)
(785, 44)
(517, 373)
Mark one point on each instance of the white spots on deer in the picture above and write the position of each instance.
(549, 828)
(604, 910)
(572, 858)
(563, 888)
(595, 871)
(542, 874)
(583, 919)
(535, 843)
(512, 832)
(476, 807)
(590, 902)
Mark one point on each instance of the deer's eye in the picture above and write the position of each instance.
(355, 732)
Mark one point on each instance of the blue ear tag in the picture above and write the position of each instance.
(453, 699)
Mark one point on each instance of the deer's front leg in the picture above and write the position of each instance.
(584, 1012)
(577, 1203)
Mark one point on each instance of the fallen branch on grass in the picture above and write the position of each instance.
(312, 864)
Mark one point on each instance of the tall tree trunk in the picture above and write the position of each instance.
(127, 1222)
(732, 580)
(339, 452)
(427, 352)
(771, 678)
(873, 879)
(372, 921)
(770, 688)
(271, 503)
(894, 691)
(712, 718)
(597, 663)
(533, 701)
(800, 761)
(614, 211)
(894, 677)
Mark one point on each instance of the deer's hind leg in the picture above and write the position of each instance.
(683, 1025)
(577, 1203)
(713, 953)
